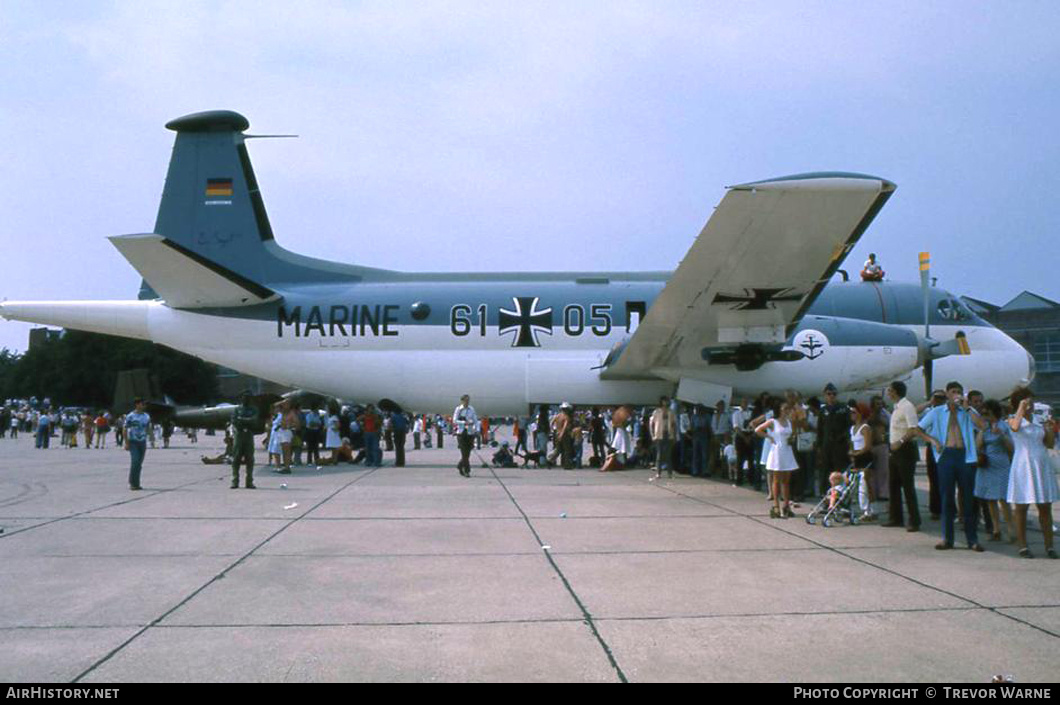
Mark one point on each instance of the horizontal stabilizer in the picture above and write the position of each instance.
(184, 279)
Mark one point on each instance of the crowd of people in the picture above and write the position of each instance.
(985, 461)
(74, 427)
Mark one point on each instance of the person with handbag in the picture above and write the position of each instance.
(994, 447)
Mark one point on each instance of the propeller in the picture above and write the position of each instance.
(925, 353)
(931, 349)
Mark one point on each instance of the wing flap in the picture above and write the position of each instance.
(184, 279)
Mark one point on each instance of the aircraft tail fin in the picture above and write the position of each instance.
(212, 208)
(211, 205)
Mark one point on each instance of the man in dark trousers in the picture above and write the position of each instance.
(903, 458)
(400, 427)
(701, 441)
(465, 423)
(834, 429)
(245, 420)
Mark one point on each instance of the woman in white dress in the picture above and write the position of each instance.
(768, 414)
(781, 462)
(332, 438)
(1031, 479)
(275, 449)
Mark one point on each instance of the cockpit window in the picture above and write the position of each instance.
(953, 310)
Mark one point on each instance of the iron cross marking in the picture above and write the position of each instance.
(756, 299)
(527, 320)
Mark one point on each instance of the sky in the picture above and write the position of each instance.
(533, 136)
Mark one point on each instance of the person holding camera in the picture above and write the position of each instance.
(465, 425)
(950, 429)
(1031, 479)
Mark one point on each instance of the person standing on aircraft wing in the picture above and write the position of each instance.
(244, 421)
(136, 425)
(465, 423)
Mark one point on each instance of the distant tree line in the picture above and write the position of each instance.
(81, 369)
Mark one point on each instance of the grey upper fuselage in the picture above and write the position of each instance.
(891, 303)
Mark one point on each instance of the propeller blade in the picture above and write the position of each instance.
(957, 346)
(925, 278)
(929, 373)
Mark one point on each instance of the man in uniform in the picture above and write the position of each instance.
(465, 423)
(834, 429)
(244, 421)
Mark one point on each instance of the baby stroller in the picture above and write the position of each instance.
(845, 507)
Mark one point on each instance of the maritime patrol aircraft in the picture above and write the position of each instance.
(749, 309)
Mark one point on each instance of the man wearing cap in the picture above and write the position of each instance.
(136, 425)
(244, 421)
(834, 437)
(465, 423)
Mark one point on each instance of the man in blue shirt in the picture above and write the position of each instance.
(44, 430)
(950, 429)
(136, 425)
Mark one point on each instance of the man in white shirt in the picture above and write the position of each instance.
(904, 456)
(417, 430)
(465, 423)
(663, 434)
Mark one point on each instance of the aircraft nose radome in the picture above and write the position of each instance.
(1032, 368)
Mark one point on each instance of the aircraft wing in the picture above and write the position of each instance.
(756, 268)
(185, 279)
